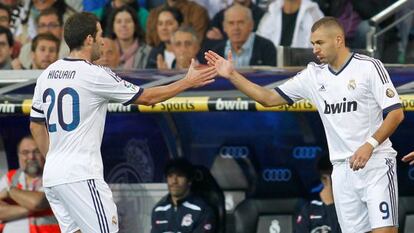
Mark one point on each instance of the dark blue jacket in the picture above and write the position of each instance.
(317, 217)
(192, 214)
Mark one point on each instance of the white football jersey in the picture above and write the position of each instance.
(72, 95)
(350, 102)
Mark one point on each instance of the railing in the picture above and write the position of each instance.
(374, 32)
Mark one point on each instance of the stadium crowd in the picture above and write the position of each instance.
(139, 33)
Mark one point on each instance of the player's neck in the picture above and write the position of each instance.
(80, 54)
(342, 58)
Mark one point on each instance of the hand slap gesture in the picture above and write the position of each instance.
(198, 77)
(223, 67)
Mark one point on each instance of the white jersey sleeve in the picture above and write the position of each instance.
(37, 113)
(295, 88)
(383, 89)
(109, 86)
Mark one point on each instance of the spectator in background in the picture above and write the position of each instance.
(6, 44)
(5, 21)
(320, 215)
(103, 12)
(193, 14)
(5, 14)
(185, 45)
(23, 205)
(50, 21)
(214, 6)
(45, 48)
(162, 56)
(27, 30)
(248, 49)
(180, 210)
(110, 55)
(216, 31)
(289, 22)
(129, 38)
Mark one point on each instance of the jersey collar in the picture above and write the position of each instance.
(343, 67)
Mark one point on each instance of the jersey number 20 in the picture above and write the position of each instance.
(75, 108)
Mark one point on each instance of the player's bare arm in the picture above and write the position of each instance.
(390, 124)
(40, 135)
(195, 77)
(225, 68)
(409, 158)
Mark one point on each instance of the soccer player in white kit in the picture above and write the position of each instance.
(351, 92)
(67, 122)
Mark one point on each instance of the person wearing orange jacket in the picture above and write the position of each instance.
(23, 205)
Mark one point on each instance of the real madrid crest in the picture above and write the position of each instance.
(351, 85)
(390, 93)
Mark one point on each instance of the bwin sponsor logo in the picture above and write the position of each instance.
(7, 107)
(346, 106)
(115, 107)
(237, 104)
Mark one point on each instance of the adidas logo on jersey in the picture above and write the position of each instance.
(322, 88)
(342, 107)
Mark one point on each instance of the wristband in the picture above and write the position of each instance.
(373, 142)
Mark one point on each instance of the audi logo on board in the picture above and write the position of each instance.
(235, 152)
(411, 173)
(277, 175)
(306, 152)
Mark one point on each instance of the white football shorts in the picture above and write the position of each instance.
(85, 205)
(368, 198)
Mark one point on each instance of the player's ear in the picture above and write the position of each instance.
(339, 41)
(89, 40)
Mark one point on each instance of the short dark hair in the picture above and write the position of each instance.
(30, 137)
(187, 29)
(178, 16)
(179, 166)
(50, 11)
(44, 36)
(9, 35)
(328, 21)
(78, 27)
(138, 32)
(7, 9)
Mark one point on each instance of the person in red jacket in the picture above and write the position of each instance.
(23, 205)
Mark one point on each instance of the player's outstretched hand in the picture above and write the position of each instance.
(224, 67)
(409, 157)
(361, 157)
(200, 76)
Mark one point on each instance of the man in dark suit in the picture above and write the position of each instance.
(248, 49)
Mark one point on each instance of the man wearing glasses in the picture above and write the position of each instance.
(23, 205)
(48, 22)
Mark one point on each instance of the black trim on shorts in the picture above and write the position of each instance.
(97, 203)
(391, 190)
